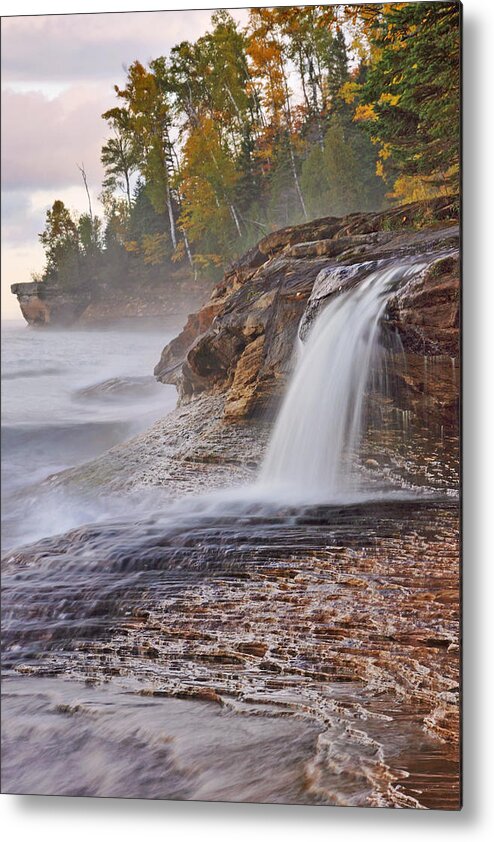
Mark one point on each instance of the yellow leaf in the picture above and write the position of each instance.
(365, 112)
(349, 91)
(389, 99)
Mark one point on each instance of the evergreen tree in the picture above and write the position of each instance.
(308, 111)
(60, 241)
(119, 155)
(334, 179)
(411, 98)
(337, 68)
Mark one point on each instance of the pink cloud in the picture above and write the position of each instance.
(94, 46)
(43, 139)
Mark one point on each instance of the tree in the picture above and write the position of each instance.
(60, 241)
(333, 178)
(90, 235)
(410, 99)
(269, 54)
(208, 178)
(216, 180)
(149, 121)
(308, 35)
(119, 154)
(337, 68)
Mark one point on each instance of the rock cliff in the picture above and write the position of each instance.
(47, 304)
(241, 342)
(44, 304)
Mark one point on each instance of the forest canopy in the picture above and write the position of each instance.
(307, 111)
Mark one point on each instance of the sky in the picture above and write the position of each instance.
(58, 73)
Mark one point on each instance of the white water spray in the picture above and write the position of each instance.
(317, 434)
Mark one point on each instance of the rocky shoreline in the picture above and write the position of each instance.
(340, 620)
(189, 451)
(241, 342)
(44, 304)
(231, 361)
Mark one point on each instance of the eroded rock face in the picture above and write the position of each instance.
(426, 311)
(241, 343)
(42, 304)
(46, 304)
(426, 314)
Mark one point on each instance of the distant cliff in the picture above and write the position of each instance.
(44, 304)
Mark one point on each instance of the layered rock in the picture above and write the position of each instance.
(46, 304)
(426, 314)
(241, 342)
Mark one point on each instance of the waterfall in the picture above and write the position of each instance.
(316, 437)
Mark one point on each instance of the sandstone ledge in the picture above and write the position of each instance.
(241, 342)
(46, 304)
(188, 451)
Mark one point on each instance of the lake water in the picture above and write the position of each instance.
(226, 648)
(68, 396)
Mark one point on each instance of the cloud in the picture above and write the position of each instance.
(59, 72)
(24, 212)
(93, 46)
(43, 139)
(20, 222)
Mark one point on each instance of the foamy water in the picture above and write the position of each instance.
(317, 434)
(244, 645)
(68, 396)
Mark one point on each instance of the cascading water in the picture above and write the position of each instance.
(318, 430)
(101, 624)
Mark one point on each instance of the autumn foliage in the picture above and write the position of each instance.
(307, 111)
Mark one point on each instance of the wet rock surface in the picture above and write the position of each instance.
(242, 341)
(345, 619)
(189, 451)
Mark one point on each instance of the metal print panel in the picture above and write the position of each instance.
(230, 426)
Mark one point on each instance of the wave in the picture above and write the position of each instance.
(58, 435)
(120, 387)
(31, 453)
(30, 372)
(149, 751)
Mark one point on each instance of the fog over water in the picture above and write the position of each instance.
(201, 648)
(67, 396)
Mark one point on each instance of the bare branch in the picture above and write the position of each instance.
(84, 178)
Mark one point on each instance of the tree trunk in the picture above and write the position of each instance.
(302, 79)
(235, 219)
(295, 178)
(171, 217)
(313, 86)
(127, 186)
(84, 178)
(290, 144)
(189, 254)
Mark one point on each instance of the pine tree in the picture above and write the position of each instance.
(333, 178)
(60, 241)
(411, 98)
(119, 155)
(337, 67)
